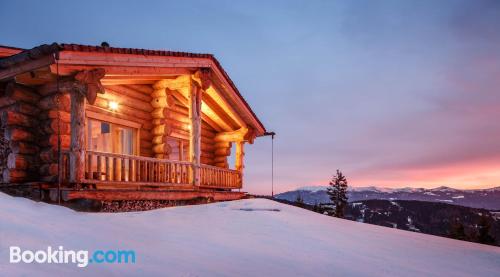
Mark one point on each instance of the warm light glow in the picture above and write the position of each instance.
(214, 116)
(113, 105)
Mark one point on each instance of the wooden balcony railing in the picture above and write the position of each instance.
(216, 177)
(108, 168)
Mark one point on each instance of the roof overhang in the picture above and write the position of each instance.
(6, 51)
(125, 63)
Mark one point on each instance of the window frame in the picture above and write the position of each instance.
(115, 121)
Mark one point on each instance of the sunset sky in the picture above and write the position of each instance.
(394, 93)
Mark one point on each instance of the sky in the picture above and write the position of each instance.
(393, 93)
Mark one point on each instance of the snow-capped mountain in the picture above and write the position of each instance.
(478, 198)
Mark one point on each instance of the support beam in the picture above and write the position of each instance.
(242, 134)
(214, 117)
(217, 97)
(86, 84)
(214, 114)
(125, 71)
(215, 107)
(181, 83)
(77, 145)
(194, 98)
(240, 153)
(91, 79)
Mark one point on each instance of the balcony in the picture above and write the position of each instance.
(107, 169)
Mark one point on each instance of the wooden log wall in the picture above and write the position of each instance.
(179, 124)
(30, 120)
(164, 121)
(162, 102)
(134, 105)
(18, 133)
(222, 151)
(54, 118)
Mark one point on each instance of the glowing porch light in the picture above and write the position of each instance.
(113, 105)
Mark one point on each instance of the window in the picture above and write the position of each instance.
(183, 149)
(109, 137)
(180, 149)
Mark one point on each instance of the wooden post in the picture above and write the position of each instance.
(195, 131)
(240, 153)
(86, 85)
(77, 145)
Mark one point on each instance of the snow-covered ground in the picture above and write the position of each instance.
(240, 238)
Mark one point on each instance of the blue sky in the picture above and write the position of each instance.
(394, 93)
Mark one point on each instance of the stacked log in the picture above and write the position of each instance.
(54, 120)
(146, 125)
(18, 148)
(179, 123)
(162, 102)
(223, 145)
(222, 151)
(134, 106)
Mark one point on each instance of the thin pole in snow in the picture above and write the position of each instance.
(272, 165)
(272, 134)
(59, 153)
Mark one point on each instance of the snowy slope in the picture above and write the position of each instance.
(240, 238)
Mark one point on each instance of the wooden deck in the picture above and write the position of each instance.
(126, 171)
(49, 192)
(123, 194)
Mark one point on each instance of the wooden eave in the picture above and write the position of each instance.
(135, 66)
(151, 68)
(6, 51)
(26, 67)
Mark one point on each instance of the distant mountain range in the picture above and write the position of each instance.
(477, 198)
(434, 218)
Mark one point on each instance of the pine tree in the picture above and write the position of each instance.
(316, 207)
(483, 233)
(299, 201)
(457, 230)
(337, 191)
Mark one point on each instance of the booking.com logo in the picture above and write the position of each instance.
(63, 256)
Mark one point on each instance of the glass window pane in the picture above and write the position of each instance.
(99, 137)
(111, 138)
(124, 140)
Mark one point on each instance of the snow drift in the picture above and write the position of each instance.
(242, 238)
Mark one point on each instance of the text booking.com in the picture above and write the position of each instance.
(82, 258)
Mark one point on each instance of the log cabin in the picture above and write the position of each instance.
(107, 123)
